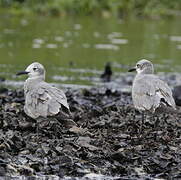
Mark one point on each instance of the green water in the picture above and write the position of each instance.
(75, 49)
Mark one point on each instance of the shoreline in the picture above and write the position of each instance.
(125, 9)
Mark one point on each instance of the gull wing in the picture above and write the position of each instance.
(149, 92)
(44, 100)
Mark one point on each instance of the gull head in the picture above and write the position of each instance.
(143, 67)
(34, 70)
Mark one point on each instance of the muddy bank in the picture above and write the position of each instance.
(110, 139)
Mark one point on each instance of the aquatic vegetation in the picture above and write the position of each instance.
(87, 43)
(51, 46)
(114, 35)
(175, 38)
(179, 46)
(59, 38)
(119, 41)
(107, 46)
(106, 8)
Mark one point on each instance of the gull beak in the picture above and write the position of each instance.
(132, 69)
(21, 73)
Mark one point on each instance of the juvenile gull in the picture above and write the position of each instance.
(149, 93)
(43, 100)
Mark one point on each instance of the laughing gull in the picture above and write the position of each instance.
(43, 100)
(149, 93)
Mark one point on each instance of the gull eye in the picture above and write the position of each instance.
(138, 66)
(34, 69)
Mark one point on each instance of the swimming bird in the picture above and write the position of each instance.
(149, 93)
(106, 76)
(43, 100)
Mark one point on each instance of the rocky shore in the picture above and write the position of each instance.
(110, 140)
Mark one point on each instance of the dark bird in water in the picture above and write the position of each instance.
(177, 95)
(71, 63)
(106, 76)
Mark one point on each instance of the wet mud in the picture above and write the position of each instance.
(110, 139)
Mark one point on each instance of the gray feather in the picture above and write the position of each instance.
(44, 100)
(148, 90)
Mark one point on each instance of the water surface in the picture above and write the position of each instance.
(75, 50)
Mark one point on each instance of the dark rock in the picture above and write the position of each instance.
(3, 90)
(2, 171)
(109, 139)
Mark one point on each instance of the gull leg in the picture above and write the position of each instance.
(39, 120)
(37, 131)
(155, 120)
(143, 118)
(56, 130)
(142, 121)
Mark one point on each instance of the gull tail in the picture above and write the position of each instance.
(65, 117)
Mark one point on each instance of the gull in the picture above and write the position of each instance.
(149, 93)
(43, 100)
